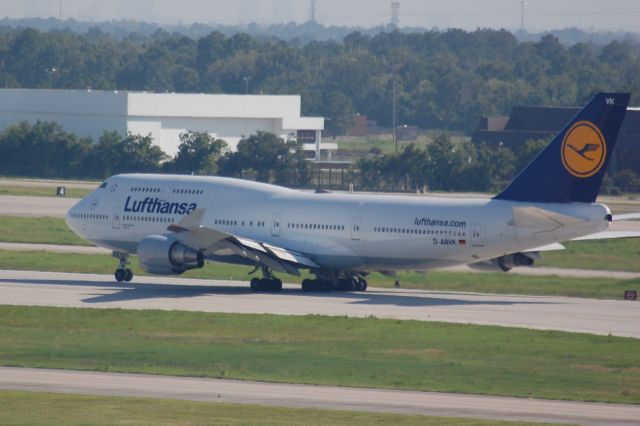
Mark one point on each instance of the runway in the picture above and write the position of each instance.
(602, 317)
(49, 183)
(323, 397)
(21, 205)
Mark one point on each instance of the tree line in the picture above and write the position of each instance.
(444, 79)
(45, 150)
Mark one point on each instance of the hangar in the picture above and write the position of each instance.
(164, 116)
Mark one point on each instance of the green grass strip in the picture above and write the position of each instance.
(374, 353)
(39, 408)
(502, 283)
(37, 230)
(617, 255)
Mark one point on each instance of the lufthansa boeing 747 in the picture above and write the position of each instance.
(175, 223)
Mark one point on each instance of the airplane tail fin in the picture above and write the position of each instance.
(571, 167)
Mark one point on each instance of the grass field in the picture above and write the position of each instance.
(368, 352)
(387, 146)
(40, 408)
(45, 230)
(618, 255)
(608, 288)
(41, 191)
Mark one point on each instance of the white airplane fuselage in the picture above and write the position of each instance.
(339, 231)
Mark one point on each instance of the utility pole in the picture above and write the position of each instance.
(395, 19)
(395, 116)
(522, 3)
(312, 11)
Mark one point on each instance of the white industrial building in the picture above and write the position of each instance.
(164, 116)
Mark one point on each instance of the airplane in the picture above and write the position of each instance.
(173, 223)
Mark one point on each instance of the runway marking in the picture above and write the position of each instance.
(310, 396)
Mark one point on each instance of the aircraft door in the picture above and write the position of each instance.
(275, 225)
(116, 219)
(476, 235)
(355, 228)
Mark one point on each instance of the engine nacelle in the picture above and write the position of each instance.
(163, 255)
(504, 263)
(510, 261)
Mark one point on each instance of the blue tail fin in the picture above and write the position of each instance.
(572, 166)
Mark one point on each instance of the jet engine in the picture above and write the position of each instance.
(162, 255)
(507, 262)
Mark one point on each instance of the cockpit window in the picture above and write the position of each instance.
(104, 184)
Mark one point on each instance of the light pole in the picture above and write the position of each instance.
(246, 79)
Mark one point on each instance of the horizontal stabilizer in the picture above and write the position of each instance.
(540, 219)
(626, 216)
(607, 235)
(548, 247)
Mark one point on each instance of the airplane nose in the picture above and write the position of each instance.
(70, 217)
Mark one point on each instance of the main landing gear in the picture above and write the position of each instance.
(122, 273)
(326, 282)
(268, 283)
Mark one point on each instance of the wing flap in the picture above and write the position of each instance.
(190, 232)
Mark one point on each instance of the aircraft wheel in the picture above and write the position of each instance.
(256, 284)
(325, 286)
(128, 275)
(120, 275)
(363, 284)
(307, 285)
(277, 285)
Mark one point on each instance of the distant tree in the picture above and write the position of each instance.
(528, 152)
(42, 149)
(198, 153)
(267, 158)
(115, 154)
(339, 113)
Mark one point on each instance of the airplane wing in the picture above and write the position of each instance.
(190, 232)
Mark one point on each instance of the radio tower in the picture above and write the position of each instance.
(312, 11)
(395, 20)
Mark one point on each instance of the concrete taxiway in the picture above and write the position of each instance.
(603, 317)
(325, 397)
(20, 205)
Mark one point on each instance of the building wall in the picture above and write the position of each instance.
(85, 113)
(164, 116)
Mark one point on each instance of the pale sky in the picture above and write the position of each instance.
(466, 14)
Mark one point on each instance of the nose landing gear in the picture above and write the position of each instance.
(122, 273)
